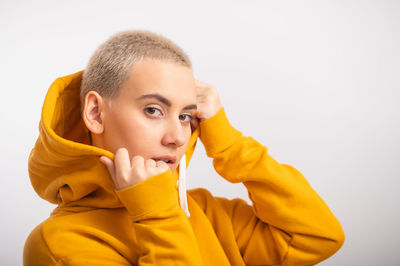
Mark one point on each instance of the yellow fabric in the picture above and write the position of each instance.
(94, 224)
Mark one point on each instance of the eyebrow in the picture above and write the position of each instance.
(165, 101)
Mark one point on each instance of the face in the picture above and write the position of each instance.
(152, 113)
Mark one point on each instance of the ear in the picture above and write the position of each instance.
(93, 112)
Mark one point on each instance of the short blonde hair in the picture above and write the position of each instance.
(109, 66)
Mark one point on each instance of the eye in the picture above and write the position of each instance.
(153, 111)
(186, 118)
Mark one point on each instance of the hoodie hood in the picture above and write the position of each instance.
(63, 167)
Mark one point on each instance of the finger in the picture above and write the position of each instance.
(200, 91)
(149, 164)
(109, 165)
(201, 83)
(202, 111)
(201, 97)
(161, 166)
(137, 162)
(122, 165)
(204, 88)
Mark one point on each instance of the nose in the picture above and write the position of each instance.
(174, 134)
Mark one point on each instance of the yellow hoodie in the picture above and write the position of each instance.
(288, 223)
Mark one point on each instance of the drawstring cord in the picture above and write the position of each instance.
(182, 186)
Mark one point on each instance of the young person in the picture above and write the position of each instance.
(115, 139)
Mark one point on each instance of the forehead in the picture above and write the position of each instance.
(174, 81)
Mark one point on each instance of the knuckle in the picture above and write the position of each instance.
(150, 163)
(120, 152)
(137, 160)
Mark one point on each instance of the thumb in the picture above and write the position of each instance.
(110, 165)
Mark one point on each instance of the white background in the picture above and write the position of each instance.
(317, 82)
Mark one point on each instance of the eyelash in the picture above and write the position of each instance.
(187, 115)
(151, 110)
(147, 110)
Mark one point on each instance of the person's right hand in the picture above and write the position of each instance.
(125, 172)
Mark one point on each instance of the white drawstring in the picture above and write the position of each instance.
(182, 186)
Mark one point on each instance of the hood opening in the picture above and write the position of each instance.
(63, 167)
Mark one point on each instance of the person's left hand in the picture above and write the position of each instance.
(208, 102)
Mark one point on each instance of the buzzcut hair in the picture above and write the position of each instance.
(109, 66)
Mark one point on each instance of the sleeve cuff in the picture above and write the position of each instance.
(150, 198)
(217, 133)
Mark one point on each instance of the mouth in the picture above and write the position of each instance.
(168, 159)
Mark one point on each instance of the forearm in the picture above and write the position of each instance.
(163, 231)
(282, 198)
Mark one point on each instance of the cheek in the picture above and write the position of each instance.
(188, 135)
(132, 132)
(142, 135)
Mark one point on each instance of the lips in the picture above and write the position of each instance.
(168, 159)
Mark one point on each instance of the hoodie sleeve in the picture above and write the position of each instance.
(163, 231)
(288, 224)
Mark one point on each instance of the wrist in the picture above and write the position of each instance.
(151, 197)
(217, 133)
